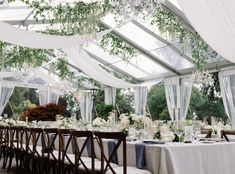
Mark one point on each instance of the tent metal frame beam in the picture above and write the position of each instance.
(105, 63)
(128, 41)
(143, 51)
(140, 69)
(163, 40)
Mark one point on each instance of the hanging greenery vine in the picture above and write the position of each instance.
(169, 24)
(117, 47)
(84, 18)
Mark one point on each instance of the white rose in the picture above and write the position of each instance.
(125, 122)
(12, 122)
(122, 115)
(97, 121)
(135, 118)
(89, 126)
(164, 130)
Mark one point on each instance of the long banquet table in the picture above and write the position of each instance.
(199, 158)
(182, 158)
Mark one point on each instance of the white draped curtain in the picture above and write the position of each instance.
(6, 91)
(214, 20)
(227, 87)
(185, 91)
(178, 93)
(86, 106)
(48, 95)
(140, 98)
(110, 95)
(171, 92)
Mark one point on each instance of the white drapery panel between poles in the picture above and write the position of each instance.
(89, 66)
(86, 106)
(6, 90)
(140, 98)
(13, 35)
(110, 95)
(171, 87)
(48, 95)
(214, 20)
(227, 87)
(186, 85)
(178, 93)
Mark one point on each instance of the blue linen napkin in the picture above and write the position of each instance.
(111, 146)
(51, 137)
(140, 155)
(89, 148)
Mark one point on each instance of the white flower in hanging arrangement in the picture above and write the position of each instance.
(141, 9)
(203, 77)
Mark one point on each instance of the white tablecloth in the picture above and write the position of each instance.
(216, 158)
(179, 158)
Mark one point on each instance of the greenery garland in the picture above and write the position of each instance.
(116, 46)
(168, 23)
(84, 18)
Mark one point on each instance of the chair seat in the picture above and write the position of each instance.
(130, 170)
(72, 158)
(97, 165)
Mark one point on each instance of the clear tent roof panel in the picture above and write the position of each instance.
(134, 33)
(151, 44)
(139, 67)
(172, 58)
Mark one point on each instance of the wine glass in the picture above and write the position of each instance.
(132, 133)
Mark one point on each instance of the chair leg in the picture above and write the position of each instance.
(5, 157)
(11, 156)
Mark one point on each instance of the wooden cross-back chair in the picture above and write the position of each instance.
(13, 146)
(120, 137)
(207, 132)
(37, 151)
(224, 134)
(106, 166)
(65, 162)
(83, 164)
(51, 154)
(4, 142)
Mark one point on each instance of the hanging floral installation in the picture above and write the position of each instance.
(79, 17)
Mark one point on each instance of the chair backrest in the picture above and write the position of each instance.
(50, 135)
(27, 140)
(13, 137)
(21, 134)
(208, 132)
(64, 143)
(4, 136)
(79, 148)
(120, 137)
(224, 134)
(37, 140)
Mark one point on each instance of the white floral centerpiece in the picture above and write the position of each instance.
(141, 124)
(99, 122)
(166, 133)
(130, 120)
